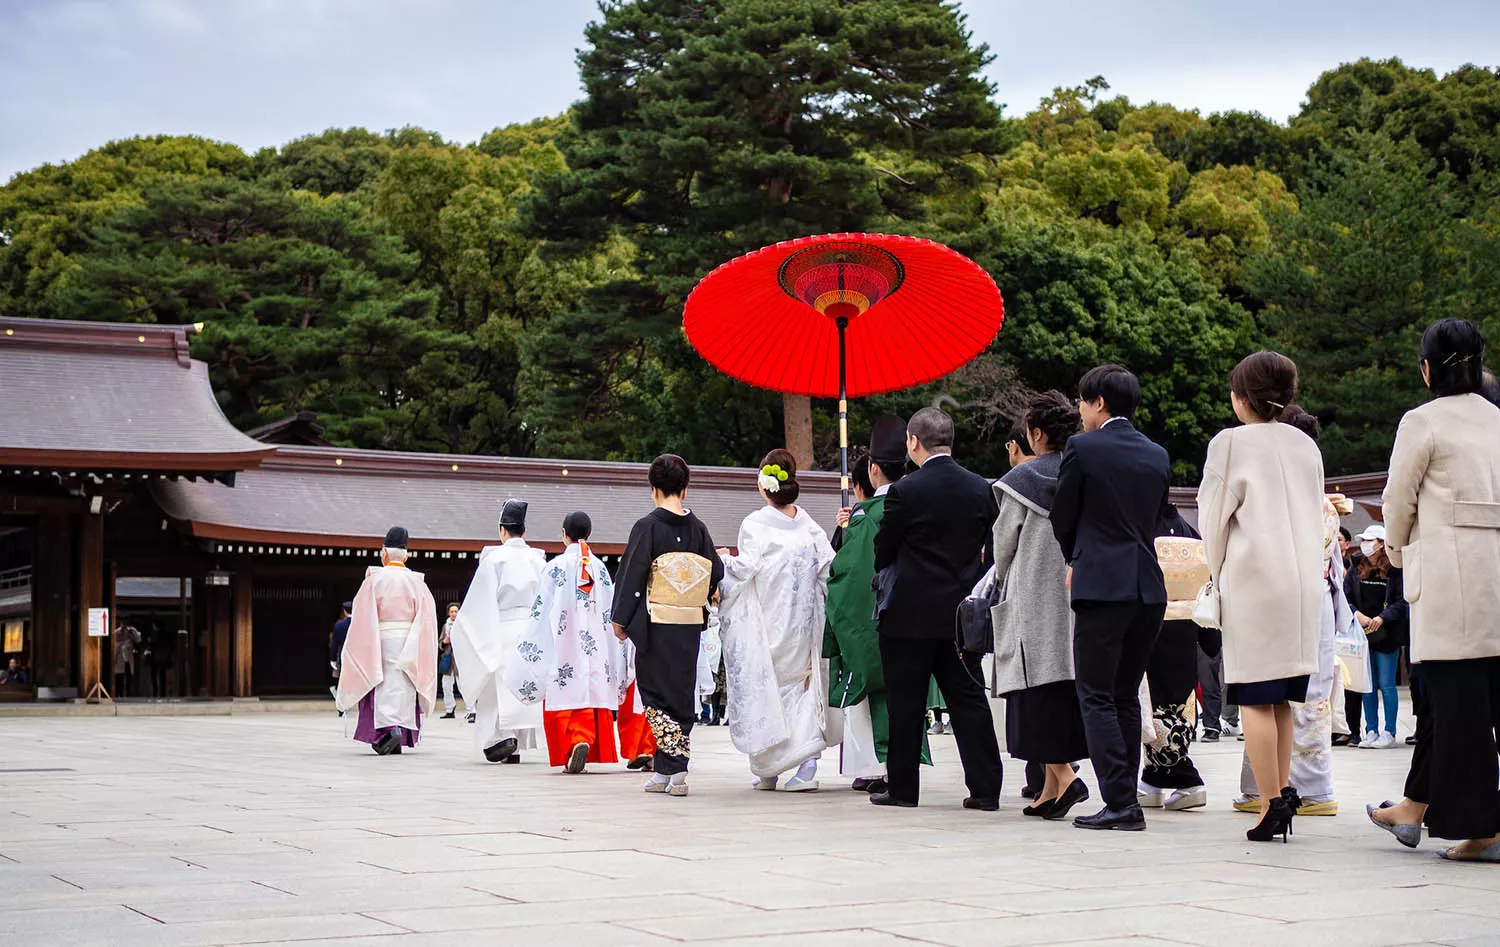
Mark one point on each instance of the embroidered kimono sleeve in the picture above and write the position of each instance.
(529, 677)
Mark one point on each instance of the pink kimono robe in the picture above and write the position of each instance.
(389, 667)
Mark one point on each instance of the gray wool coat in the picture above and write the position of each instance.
(1034, 619)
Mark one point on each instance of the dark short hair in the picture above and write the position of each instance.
(669, 474)
(894, 470)
(789, 489)
(1306, 423)
(1344, 532)
(452, 605)
(1018, 437)
(859, 472)
(1267, 383)
(1119, 388)
(1454, 352)
(1053, 414)
(577, 526)
(932, 428)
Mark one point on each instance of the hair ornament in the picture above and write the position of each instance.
(771, 478)
(1277, 405)
(1460, 359)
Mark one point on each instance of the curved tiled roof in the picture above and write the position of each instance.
(109, 396)
(327, 496)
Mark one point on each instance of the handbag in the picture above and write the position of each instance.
(1353, 653)
(1206, 610)
(975, 629)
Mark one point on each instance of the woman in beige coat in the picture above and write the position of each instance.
(1442, 519)
(1260, 512)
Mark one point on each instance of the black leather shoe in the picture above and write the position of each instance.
(871, 786)
(1210, 736)
(983, 805)
(448, 716)
(886, 799)
(1076, 792)
(1028, 792)
(1130, 819)
(501, 751)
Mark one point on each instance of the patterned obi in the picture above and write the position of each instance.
(677, 592)
(1184, 566)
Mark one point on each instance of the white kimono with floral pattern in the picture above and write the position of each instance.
(771, 621)
(568, 656)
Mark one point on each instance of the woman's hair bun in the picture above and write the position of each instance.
(787, 490)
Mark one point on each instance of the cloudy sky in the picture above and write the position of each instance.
(259, 72)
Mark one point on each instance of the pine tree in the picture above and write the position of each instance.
(711, 128)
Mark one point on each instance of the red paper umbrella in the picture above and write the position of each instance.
(843, 315)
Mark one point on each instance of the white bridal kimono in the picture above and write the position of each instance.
(771, 621)
(568, 655)
(495, 614)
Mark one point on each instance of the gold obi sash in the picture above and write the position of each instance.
(677, 591)
(1184, 567)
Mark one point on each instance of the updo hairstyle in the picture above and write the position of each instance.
(789, 489)
(1055, 415)
(1267, 383)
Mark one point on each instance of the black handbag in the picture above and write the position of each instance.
(975, 626)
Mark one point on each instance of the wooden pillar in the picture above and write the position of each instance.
(52, 601)
(797, 416)
(91, 595)
(244, 637)
(216, 676)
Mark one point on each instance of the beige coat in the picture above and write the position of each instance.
(1442, 521)
(1260, 511)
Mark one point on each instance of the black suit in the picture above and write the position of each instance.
(934, 532)
(1111, 494)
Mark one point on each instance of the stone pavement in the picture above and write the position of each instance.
(271, 828)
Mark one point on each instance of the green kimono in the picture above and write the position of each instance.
(851, 638)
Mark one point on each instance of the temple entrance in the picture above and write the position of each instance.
(17, 548)
(151, 652)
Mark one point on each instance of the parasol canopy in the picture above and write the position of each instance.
(911, 311)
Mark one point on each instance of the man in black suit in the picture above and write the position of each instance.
(1111, 493)
(934, 534)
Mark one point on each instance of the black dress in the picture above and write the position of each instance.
(1044, 725)
(666, 664)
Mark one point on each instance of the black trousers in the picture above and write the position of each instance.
(1421, 757)
(1112, 645)
(909, 664)
(1172, 676)
(1464, 697)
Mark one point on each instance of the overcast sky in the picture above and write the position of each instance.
(260, 72)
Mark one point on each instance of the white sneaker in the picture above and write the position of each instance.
(1149, 797)
(1231, 730)
(1370, 741)
(657, 783)
(1385, 741)
(1180, 800)
(677, 784)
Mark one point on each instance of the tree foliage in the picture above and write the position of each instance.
(523, 294)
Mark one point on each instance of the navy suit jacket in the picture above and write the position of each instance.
(1111, 495)
(935, 532)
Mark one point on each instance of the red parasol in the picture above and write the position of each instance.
(842, 315)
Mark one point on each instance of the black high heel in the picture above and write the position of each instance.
(1276, 822)
(1293, 799)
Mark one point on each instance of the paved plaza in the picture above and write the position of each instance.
(270, 828)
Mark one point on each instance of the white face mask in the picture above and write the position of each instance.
(1368, 546)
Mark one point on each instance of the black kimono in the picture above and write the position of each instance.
(667, 575)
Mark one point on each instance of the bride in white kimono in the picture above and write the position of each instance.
(771, 622)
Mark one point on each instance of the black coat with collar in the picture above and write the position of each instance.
(935, 531)
(1111, 496)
